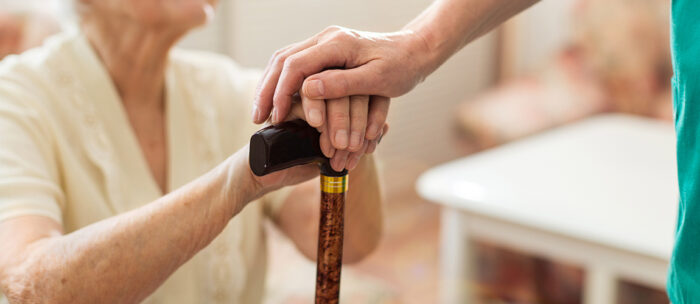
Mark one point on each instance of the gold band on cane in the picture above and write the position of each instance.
(334, 184)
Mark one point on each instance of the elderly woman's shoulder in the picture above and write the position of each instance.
(35, 58)
(37, 68)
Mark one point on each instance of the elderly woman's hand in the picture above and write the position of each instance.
(356, 112)
(378, 64)
(340, 159)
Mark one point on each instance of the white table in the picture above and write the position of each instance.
(601, 193)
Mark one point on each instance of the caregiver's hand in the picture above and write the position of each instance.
(380, 64)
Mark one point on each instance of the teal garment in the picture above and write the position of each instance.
(684, 271)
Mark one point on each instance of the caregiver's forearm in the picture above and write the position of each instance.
(125, 258)
(448, 25)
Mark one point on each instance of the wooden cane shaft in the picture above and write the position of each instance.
(330, 239)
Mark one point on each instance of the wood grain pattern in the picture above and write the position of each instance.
(330, 248)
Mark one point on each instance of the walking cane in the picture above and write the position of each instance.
(295, 143)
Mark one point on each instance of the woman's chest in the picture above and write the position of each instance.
(107, 168)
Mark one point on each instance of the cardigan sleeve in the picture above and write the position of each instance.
(29, 183)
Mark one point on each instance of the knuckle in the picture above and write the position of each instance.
(277, 55)
(331, 29)
(279, 52)
(21, 290)
(382, 78)
(343, 83)
(358, 125)
(278, 61)
(338, 118)
(291, 62)
(341, 36)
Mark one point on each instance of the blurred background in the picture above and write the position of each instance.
(560, 62)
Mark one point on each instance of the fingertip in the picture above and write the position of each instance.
(372, 131)
(339, 160)
(314, 89)
(314, 110)
(372, 146)
(338, 120)
(335, 164)
(329, 153)
(255, 113)
(341, 139)
(352, 163)
(378, 110)
(281, 104)
(274, 117)
(260, 112)
(355, 141)
(314, 118)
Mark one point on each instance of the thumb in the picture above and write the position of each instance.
(332, 84)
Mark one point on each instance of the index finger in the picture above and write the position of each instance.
(302, 64)
(262, 105)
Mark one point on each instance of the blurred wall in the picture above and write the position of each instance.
(540, 32)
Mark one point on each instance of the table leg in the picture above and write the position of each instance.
(600, 286)
(454, 258)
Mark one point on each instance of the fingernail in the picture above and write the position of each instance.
(315, 117)
(335, 164)
(355, 140)
(342, 161)
(353, 163)
(372, 131)
(371, 147)
(275, 119)
(341, 139)
(316, 87)
(256, 113)
(329, 151)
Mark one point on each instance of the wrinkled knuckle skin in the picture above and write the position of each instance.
(338, 118)
(277, 55)
(278, 61)
(20, 290)
(291, 62)
(341, 36)
(343, 84)
(383, 78)
(358, 125)
(281, 58)
(332, 29)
